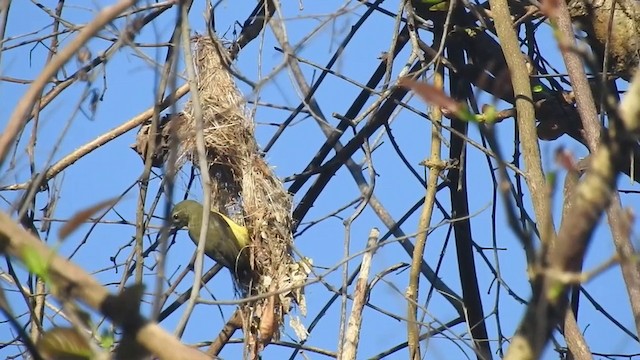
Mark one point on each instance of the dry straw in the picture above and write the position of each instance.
(246, 188)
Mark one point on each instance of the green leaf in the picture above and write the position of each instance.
(107, 339)
(552, 177)
(35, 263)
(555, 291)
(443, 6)
(466, 115)
(488, 115)
(471, 32)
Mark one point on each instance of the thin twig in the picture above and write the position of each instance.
(204, 169)
(24, 106)
(360, 297)
(435, 166)
(110, 135)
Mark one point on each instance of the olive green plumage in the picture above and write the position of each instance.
(227, 242)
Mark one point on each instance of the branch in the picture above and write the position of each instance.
(360, 298)
(112, 134)
(592, 196)
(592, 128)
(436, 165)
(75, 283)
(525, 117)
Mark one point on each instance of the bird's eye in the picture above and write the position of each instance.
(175, 216)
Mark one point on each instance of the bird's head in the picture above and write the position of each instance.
(183, 211)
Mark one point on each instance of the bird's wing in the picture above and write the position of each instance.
(240, 232)
(238, 253)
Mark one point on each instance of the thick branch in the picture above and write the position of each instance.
(593, 195)
(74, 282)
(525, 117)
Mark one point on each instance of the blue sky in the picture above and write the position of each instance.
(131, 84)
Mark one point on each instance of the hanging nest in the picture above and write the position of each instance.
(245, 188)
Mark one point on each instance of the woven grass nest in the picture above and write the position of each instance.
(244, 187)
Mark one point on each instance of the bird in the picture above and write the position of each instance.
(226, 242)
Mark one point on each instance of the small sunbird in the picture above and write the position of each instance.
(227, 242)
